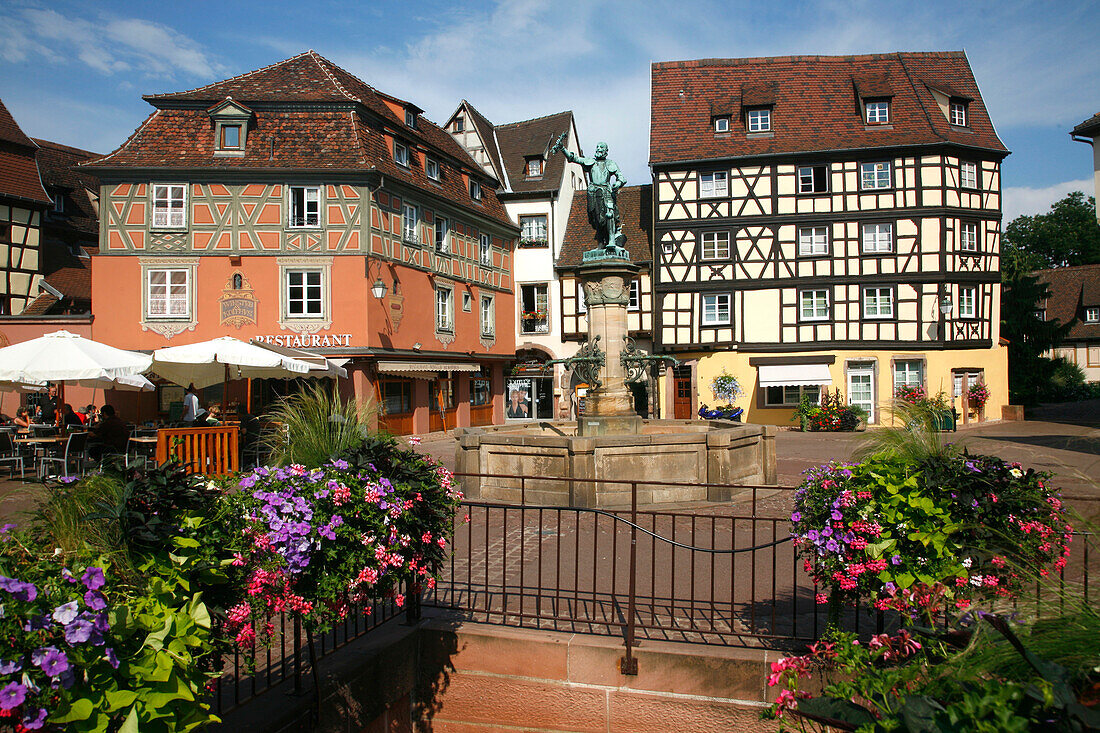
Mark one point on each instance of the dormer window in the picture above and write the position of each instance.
(410, 118)
(534, 167)
(58, 197)
(475, 190)
(759, 119)
(400, 154)
(431, 167)
(722, 124)
(230, 128)
(230, 137)
(877, 112)
(958, 113)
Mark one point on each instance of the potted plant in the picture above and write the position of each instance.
(726, 389)
(977, 395)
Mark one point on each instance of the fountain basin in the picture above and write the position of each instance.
(551, 454)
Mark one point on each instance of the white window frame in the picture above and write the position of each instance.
(175, 217)
(715, 246)
(486, 250)
(444, 309)
(876, 176)
(528, 225)
(303, 222)
(319, 300)
(791, 394)
(877, 237)
(635, 299)
(968, 301)
(722, 124)
(713, 304)
(968, 236)
(862, 369)
(401, 154)
(877, 112)
(541, 294)
(908, 373)
(488, 313)
(818, 302)
(813, 241)
(713, 184)
(442, 234)
(475, 190)
(975, 377)
(431, 168)
(807, 182)
(968, 174)
(534, 167)
(1092, 314)
(759, 119)
(410, 219)
(410, 118)
(958, 114)
(882, 309)
(168, 298)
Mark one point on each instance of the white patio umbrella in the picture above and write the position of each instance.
(221, 359)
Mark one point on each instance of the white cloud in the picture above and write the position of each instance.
(109, 45)
(1020, 200)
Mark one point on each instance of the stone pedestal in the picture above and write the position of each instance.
(609, 410)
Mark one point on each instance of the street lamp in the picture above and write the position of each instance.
(946, 306)
(378, 290)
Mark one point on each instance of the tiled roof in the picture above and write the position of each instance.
(18, 170)
(1072, 289)
(816, 104)
(533, 137)
(41, 305)
(300, 133)
(1090, 127)
(636, 206)
(56, 164)
(74, 282)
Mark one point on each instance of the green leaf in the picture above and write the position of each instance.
(831, 710)
(117, 699)
(130, 725)
(79, 709)
(919, 714)
(904, 580)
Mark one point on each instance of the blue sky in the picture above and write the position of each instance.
(74, 72)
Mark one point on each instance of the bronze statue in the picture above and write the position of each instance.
(603, 209)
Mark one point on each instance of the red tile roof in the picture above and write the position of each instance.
(74, 282)
(293, 129)
(19, 176)
(1072, 289)
(519, 140)
(636, 207)
(56, 164)
(816, 104)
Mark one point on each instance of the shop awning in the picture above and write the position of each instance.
(424, 369)
(793, 375)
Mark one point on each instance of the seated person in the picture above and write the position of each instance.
(110, 436)
(212, 417)
(22, 419)
(88, 414)
(69, 418)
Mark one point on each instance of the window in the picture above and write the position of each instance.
(861, 387)
(1092, 314)
(534, 314)
(759, 120)
(169, 205)
(968, 302)
(410, 219)
(534, 167)
(582, 306)
(58, 197)
(813, 241)
(908, 373)
(813, 305)
(533, 230)
(635, 295)
(878, 238)
(442, 239)
(716, 245)
(230, 137)
(475, 190)
(396, 396)
(878, 302)
(971, 378)
(790, 395)
(968, 236)
(486, 250)
(168, 294)
(874, 176)
(410, 118)
(460, 124)
(305, 206)
(488, 316)
(444, 309)
(813, 178)
(400, 154)
(714, 184)
(721, 124)
(481, 391)
(431, 167)
(467, 301)
(304, 297)
(878, 112)
(716, 310)
(1041, 314)
(958, 113)
(968, 174)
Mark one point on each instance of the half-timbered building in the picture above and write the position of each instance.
(537, 190)
(298, 205)
(23, 203)
(826, 223)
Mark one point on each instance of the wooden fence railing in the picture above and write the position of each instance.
(212, 451)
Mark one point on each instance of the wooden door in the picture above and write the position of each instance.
(681, 385)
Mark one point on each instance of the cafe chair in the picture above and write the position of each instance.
(141, 451)
(44, 431)
(10, 455)
(75, 453)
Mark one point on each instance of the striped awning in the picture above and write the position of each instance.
(424, 369)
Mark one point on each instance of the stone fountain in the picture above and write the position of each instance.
(611, 442)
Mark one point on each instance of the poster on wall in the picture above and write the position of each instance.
(519, 399)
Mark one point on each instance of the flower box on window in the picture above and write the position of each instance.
(532, 242)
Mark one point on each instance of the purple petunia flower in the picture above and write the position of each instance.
(836, 515)
(796, 517)
(34, 623)
(10, 667)
(12, 696)
(93, 578)
(340, 463)
(34, 720)
(111, 657)
(832, 546)
(68, 575)
(78, 631)
(50, 660)
(66, 613)
(896, 559)
(7, 528)
(20, 590)
(95, 600)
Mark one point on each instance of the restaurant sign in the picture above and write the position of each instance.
(238, 302)
(306, 340)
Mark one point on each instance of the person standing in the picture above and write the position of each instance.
(191, 409)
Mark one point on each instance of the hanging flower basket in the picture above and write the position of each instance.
(977, 396)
